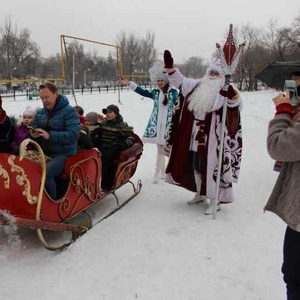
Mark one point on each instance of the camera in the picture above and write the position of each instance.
(292, 87)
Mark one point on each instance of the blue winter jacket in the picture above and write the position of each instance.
(62, 123)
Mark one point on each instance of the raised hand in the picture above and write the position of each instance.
(168, 59)
(124, 81)
(229, 93)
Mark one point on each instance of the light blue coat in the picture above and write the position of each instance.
(159, 122)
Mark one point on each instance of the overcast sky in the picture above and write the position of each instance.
(187, 28)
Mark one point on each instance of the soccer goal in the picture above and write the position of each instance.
(89, 66)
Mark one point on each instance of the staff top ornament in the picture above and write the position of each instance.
(230, 55)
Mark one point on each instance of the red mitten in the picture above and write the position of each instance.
(229, 93)
(168, 59)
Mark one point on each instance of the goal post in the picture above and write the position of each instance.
(65, 58)
(61, 68)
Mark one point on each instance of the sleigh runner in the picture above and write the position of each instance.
(25, 203)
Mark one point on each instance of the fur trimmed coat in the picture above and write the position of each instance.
(157, 129)
(188, 130)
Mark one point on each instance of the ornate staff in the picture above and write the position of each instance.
(229, 57)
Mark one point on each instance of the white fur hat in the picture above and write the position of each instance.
(156, 72)
(30, 111)
(215, 65)
(162, 76)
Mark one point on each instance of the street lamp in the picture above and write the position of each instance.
(11, 77)
(73, 77)
(84, 76)
(12, 73)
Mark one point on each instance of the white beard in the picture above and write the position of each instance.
(203, 97)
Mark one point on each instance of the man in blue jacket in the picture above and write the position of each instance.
(57, 129)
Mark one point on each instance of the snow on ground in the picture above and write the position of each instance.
(157, 246)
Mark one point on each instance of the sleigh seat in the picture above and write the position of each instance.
(125, 165)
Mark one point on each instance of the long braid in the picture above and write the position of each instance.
(165, 91)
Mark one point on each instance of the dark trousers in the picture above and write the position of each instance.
(291, 263)
(55, 167)
(108, 169)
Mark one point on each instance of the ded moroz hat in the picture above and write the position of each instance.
(215, 65)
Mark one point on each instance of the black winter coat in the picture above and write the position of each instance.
(7, 131)
(113, 134)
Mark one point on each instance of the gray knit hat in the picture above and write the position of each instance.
(92, 118)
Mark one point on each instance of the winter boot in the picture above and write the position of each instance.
(156, 177)
(210, 209)
(163, 167)
(197, 199)
(158, 167)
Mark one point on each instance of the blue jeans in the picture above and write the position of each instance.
(291, 263)
(55, 167)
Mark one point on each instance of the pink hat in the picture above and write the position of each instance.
(30, 111)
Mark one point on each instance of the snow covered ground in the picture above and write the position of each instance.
(158, 247)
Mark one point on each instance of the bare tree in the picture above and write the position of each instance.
(148, 52)
(17, 52)
(292, 36)
(50, 67)
(277, 44)
(193, 67)
(139, 54)
(130, 52)
(255, 57)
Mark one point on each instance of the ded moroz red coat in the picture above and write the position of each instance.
(191, 131)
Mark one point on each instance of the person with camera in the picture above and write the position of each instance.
(292, 85)
(283, 144)
(295, 76)
(195, 135)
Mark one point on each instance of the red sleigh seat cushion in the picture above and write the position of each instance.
(134, 150)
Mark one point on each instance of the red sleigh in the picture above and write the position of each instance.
(28, 205)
